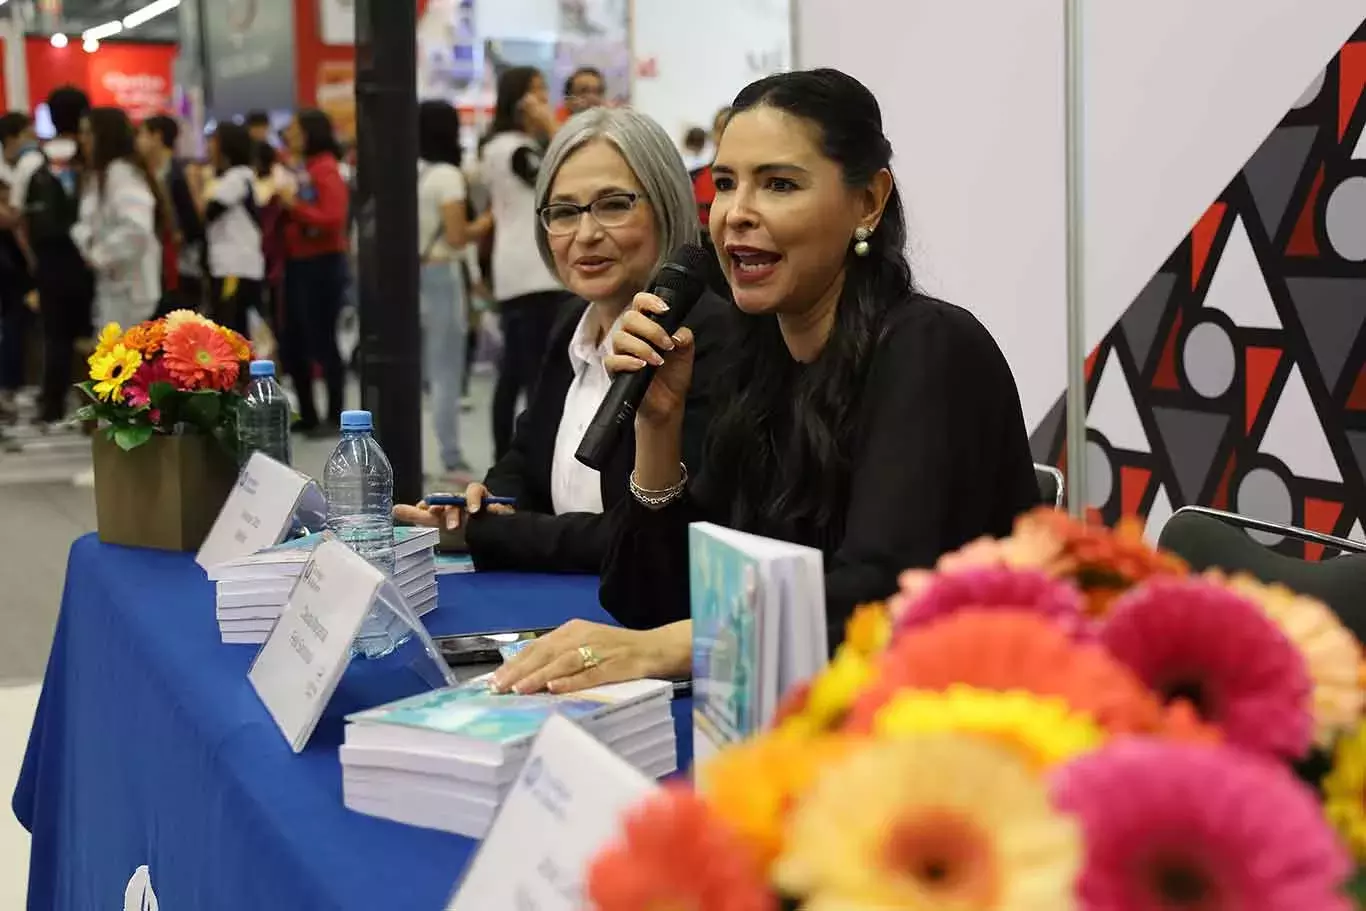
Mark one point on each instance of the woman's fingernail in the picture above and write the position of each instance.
(672, 343)
(656, 359)
(661, 307)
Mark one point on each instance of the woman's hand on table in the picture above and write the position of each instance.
(581, 654)
(450, 517)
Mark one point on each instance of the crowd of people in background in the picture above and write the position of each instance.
(106, 222)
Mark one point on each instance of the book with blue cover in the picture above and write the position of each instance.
(758, 620)
(471, 721)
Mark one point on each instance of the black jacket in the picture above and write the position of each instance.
(534, 539)
(942, 458)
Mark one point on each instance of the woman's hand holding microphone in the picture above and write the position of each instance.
(639, 342)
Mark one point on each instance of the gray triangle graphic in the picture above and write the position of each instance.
(1331, 311)
(1357, 439)
(1144, 315)
(1275, 169)
(1192, 440)
(1044, 437)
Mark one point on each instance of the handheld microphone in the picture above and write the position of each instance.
(680, 284)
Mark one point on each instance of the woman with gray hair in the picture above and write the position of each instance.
(612, 202)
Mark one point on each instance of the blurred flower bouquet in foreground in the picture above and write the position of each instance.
(1064, 719)
(163, 376)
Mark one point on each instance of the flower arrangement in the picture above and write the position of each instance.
(1064, 719)
(163, 376)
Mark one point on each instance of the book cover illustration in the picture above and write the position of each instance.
(472, 710)
(725, 587)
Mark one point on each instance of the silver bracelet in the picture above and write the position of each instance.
(658, 499)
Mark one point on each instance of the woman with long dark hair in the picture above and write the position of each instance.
(315, 268)
(122, 218)
(862, 417)
(529, 295)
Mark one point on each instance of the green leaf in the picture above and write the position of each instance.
(86, 413)
(203, 409)
(159, 393)
(130, 438)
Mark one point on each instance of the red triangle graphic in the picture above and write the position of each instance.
(1352, 63)
(1225, 481)
(1320, 516)
(1133, 483)
(1261, 367)
(1165, 378)
(1091, 363)
(1357, 400)
(1202, 238)
(1302, 242)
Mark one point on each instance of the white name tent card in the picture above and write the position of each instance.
(566, 806)
(308, 650)
(298, 669)
(260, 510)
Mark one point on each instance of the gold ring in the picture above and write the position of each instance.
(590, 660)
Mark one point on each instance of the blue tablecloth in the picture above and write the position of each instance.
(150, 748)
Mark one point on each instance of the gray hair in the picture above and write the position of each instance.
(652, 157)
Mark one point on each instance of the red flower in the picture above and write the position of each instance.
(676, 853)
(199, 357)
(137, 392)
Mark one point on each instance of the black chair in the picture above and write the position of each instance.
(1052, 487)
(1213, 539)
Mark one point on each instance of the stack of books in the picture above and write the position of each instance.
(252, 591)
(446, 759)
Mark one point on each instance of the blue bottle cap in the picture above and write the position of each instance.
(262, 368)
(357, 420)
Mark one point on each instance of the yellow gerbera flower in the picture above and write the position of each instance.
(753, 785)
(110, 336)
(830, 693)
(869, 629)
(241, 348)
(1344, 791)
(1331, 653)
(932, 823)
(1043, 730)
(180, 317)
(114, 369)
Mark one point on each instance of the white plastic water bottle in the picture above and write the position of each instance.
(359, 484)
(264, 415)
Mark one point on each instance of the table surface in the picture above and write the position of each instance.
(150, 747)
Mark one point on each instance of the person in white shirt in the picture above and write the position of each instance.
(529, 294)
(232, 224)
(122, 220)
(612, 202)
(442, 236)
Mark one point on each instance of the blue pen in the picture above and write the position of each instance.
(447, 499)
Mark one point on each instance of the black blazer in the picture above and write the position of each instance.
(942, 457)
(534, 539)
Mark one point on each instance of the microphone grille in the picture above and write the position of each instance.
(691, 258)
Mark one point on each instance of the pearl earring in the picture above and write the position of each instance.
(861, 235)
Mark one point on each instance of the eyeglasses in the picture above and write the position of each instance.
(612, 211)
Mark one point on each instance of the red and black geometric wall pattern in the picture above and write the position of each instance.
(1237, 378)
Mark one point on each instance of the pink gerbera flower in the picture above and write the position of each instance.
(1191, 639)
(137, 392)
(1173, 826)
(996, 587)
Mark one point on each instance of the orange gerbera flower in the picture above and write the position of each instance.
(754, 785)
(1008, 650)
(199, 357)
(146, 338)
(240, 346)
(676, 853)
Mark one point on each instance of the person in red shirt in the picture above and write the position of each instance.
(315, 268)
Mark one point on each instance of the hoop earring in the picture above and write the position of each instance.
(861, 235)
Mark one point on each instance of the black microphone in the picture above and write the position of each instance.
(680, 284)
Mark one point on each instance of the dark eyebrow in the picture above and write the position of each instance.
(761, 169)
(605, 191)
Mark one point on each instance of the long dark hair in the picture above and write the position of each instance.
(319, 137)
(513, 86)
(115, 140)
(438, 133)
(788, 432)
